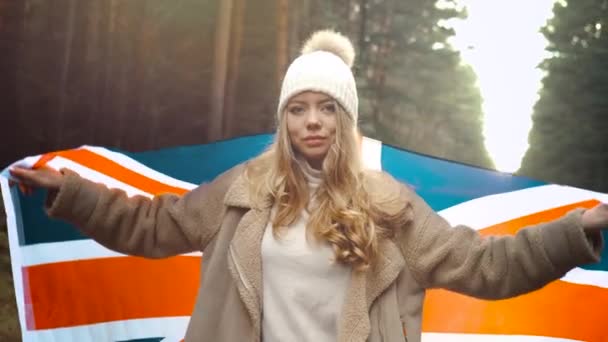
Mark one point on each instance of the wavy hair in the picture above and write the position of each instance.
(345, 212)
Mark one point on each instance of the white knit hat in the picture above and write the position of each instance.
(324, 66)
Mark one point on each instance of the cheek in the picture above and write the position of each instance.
(332, 126)
(291, 127)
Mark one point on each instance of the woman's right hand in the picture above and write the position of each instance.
(43, 177)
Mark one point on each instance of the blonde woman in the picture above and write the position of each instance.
(303, 244)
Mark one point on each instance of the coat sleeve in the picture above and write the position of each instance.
(494, 267)
(165, 225)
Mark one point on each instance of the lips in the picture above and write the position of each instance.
(314, 141)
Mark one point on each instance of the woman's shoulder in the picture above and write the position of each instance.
(229, 186)
(384, 191)
(379, 182)
(230, 175)
(222, 183)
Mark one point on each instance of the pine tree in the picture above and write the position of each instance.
(568, 140)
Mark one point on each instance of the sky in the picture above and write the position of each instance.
(502, 43)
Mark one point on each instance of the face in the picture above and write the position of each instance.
(311, 124)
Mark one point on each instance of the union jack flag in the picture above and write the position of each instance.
(70, 288)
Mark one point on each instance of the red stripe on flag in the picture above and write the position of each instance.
(115, 170)
(512, 226)
(81, 292)
(560, 309)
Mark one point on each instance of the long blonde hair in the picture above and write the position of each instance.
(345, 213)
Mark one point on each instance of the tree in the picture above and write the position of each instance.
(220, 68)
(568, 139)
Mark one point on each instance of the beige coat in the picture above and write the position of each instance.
(218, 219)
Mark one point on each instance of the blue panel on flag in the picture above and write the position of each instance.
(444, 184)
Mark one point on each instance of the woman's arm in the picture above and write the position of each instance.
(162, 226)
(460, 259)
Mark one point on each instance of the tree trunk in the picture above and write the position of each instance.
(236, 40)
(220, 67)
(65, 72)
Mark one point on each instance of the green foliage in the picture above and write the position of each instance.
(568, 140)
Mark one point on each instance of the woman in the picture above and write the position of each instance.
(303, 244)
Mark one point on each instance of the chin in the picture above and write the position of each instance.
(314, 156)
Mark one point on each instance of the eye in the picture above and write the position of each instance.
(295, 110)
(329, 108)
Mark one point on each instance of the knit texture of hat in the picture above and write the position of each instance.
(324, 66)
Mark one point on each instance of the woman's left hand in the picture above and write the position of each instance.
(596, 218)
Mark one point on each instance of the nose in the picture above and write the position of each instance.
(313, 119)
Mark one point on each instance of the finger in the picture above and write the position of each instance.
(15, 179)
(18, 168)
(22, 175)
(16, 172)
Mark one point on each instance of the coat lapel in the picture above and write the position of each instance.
(364, 288)
(245, 249)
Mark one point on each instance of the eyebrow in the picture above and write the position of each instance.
(328, 99)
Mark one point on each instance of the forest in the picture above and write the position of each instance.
(147, 74)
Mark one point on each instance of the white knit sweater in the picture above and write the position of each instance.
(304, 288)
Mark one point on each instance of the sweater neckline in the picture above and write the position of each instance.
(312, 175)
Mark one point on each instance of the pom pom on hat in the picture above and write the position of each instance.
(333, 42)
(324, 66)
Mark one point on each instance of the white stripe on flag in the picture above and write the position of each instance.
(587, 277)
(140, 168)
(490, 210)
(371, 153)
(173, 329)
(95, 176)
(51, 252)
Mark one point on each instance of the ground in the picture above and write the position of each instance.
(9, 323)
